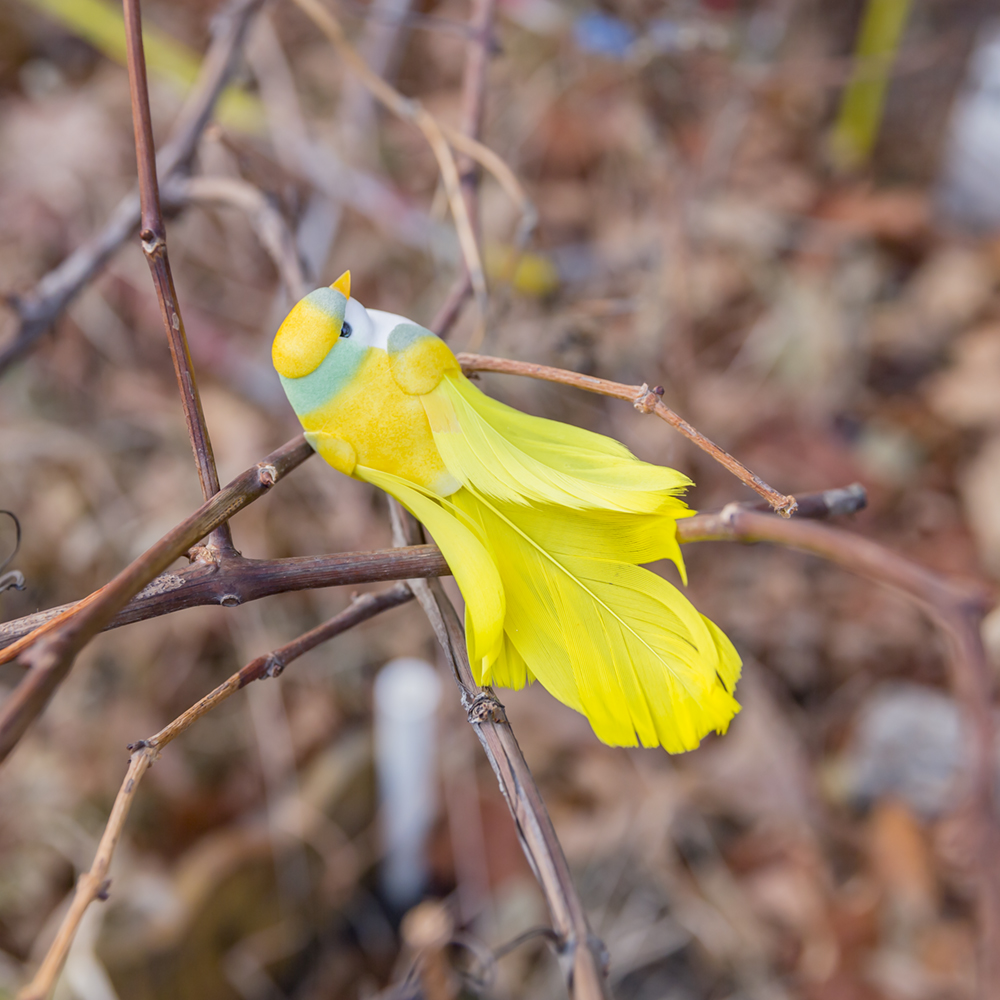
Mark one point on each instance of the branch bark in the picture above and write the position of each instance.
(153, 236)
(234, 580)
(477, 64)
(581, 953)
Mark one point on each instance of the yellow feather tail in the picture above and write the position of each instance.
(608, 638)
(546, 539)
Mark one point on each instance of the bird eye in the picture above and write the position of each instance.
(345, 330)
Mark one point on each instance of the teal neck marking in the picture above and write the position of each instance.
(333, 375)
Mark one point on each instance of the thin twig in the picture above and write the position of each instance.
(94, 883)
(235, 580)
(50, 650)
(445, 317)
(411, 111)
(645, 400)
(38, 309)
(581, 953)
(153, 236)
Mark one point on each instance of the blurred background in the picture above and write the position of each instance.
(784, 212)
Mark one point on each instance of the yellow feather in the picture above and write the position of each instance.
(610, 639)
(470, 556)
(516, 458)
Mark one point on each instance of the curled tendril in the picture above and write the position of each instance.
(13, 580)
(17, 539)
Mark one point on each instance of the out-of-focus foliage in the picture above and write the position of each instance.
(691, 235)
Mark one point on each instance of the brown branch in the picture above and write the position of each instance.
(94, 884)
(414, 112)
(49, 651)
(440, 137)
(581, 954)
(234, 580)
(645, 400)
(958, 611)
(446, 316)
(153, 236)
(38, 309)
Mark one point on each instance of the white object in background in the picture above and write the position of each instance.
(969, 191)
(407, 692)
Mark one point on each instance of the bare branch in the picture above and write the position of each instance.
(581, 953)
(153, 236)
(234, 580)
(49, 651)
(411, 111)
(477, 63)
(94, 884)
(645, 400)
(40, 307)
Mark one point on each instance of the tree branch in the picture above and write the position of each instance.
(153, 236)
(645, 400)
(49, 651)
(581, 953)
(234, 580)
(477, 64)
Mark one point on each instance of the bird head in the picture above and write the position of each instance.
(329, 321)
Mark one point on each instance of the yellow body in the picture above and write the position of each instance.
(374, 422)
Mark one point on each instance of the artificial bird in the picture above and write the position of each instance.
(544, 525)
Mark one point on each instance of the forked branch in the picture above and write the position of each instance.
(49, 651)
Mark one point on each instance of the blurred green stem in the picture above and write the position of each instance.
(863, 102)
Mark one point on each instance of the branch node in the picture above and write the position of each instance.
(275, 666)
(151, 243)
(230, 600)
(486, 707)
(729, 513)
(789, 507)
(267, 475)
(646, 400)
(103, 891)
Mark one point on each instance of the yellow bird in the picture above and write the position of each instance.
(543, 525)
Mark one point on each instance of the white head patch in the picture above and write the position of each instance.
(370, 327)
